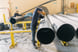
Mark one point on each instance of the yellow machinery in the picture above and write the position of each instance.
(12, 32)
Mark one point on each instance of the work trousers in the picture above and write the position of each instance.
(33, 29)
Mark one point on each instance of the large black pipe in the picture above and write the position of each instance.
(64, 31)
(73, 20)
(77, 33)
(68, 33)
(45, 33)
(13, 20)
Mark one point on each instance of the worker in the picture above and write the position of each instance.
(17, 14)
(38, 13)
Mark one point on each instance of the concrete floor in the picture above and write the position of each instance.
(25, 44)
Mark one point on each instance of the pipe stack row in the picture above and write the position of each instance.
(60, 25)
(51, 26)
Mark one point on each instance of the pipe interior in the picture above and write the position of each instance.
(66, 32)
(12, 21)
(77, 33)
(45, 35)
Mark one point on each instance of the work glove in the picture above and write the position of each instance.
(43, 13)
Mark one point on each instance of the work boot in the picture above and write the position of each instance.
(35, 47)
(34, 44)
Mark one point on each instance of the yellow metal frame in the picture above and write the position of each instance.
(21, 31)
(38, 44)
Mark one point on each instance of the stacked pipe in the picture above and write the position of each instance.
(74, 15)
(45, 33)
(72, 20)
(64, 31)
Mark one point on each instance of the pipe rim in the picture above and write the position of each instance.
(42, 37)
(12, 21)
(67, 34)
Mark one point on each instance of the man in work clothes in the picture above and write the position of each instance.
(36, 15)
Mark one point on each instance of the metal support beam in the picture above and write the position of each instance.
(63, 6)
(4, 18)
(39, 5)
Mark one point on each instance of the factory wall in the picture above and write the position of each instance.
(4, 9)
(70, 6)
(24, 5)
(68, 3)
(53, 7)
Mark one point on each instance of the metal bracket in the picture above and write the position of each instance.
(64, 43)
